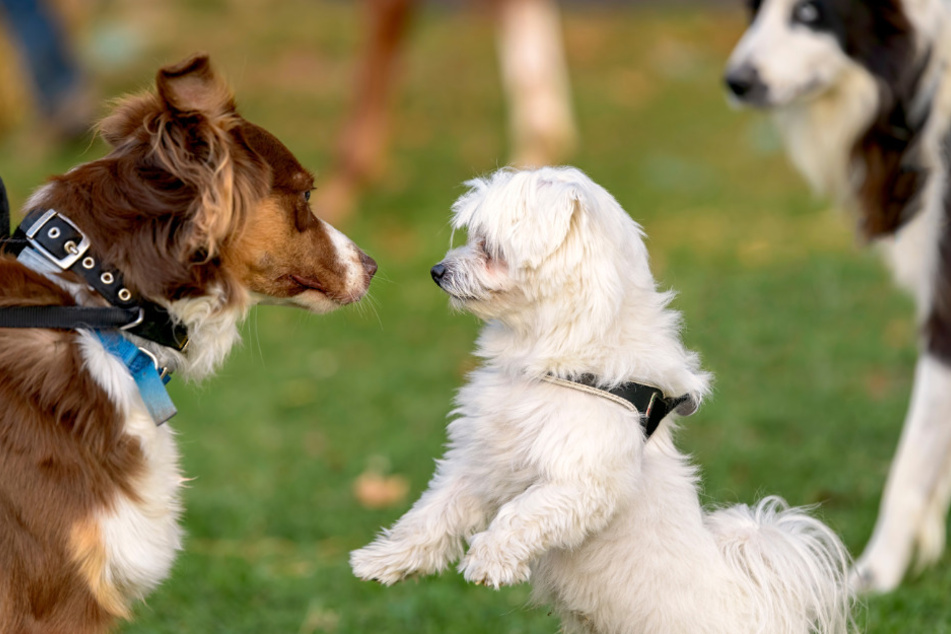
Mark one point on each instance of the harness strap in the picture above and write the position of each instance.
(646, 400)
(4, 212)
(67, 317)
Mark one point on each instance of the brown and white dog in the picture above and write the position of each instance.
(862, 95)
(203, 214)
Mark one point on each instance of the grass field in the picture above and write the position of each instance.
(812, 347)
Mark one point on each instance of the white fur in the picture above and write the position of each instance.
(820, 127)
(559, 486)
(212, 325)
(141, 537)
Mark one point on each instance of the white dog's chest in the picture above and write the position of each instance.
(509, 438)
(495, 450)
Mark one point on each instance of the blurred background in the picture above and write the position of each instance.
(320, 430)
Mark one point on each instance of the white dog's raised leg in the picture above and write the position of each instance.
(428, 537)
(915, 502)
(545, 516)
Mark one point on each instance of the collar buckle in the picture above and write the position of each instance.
(60, 235)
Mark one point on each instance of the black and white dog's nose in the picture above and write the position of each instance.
(438, 272)
(745, 84)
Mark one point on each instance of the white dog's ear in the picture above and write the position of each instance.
(546, 221)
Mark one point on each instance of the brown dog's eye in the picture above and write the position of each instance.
(307, 196)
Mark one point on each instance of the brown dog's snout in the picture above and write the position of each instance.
(369, 264)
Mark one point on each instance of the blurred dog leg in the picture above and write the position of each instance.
(535, 77)
(915, 501)
(359, 155)
(534, 74)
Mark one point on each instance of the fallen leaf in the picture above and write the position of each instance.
(376, 491)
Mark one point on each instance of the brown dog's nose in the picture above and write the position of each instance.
(369, 264)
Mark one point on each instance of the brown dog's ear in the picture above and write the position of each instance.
(193, 85)
(125, 121)
(188, 87)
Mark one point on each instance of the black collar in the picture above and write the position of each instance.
(58, 242)
(648, 401)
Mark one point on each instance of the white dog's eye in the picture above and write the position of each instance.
(806, 12)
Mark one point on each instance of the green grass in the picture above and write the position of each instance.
(812, 347)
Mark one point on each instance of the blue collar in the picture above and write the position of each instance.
(144, 371)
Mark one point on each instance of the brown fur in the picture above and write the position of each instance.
(191, 197)
(62, 455)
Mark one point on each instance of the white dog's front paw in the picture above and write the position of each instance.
(389, 561)
(488, 563)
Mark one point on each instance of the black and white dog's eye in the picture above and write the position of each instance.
(806, 12)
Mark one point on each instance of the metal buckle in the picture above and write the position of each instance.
(138, 320)
(74, 253)
(163, 372)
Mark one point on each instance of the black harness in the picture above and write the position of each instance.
(647, 401)
(51, 238)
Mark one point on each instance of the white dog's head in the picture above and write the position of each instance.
(547, 238)
(554, 260)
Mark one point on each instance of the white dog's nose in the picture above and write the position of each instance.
(438, 272)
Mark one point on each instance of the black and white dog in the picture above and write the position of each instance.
(862, 95)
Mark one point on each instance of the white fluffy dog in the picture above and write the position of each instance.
(551, 471)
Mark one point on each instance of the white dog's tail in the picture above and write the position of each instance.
(793, 567)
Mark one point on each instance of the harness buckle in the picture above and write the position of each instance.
(73, 251)
(135, 322)
(650, 405)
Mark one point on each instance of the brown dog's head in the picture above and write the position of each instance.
(194, 198)
(194, 204)
(205, 213)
